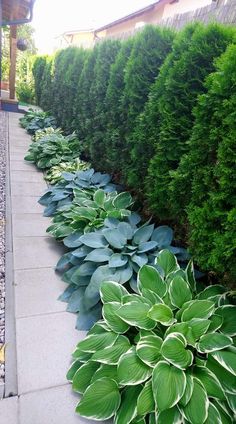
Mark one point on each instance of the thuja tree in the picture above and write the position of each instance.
(209, 171)
(150, 49)
(97, 122)
(46, 99)
(184, 81)
(115, 130)
(38, 70)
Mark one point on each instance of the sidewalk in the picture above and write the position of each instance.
(45, 334)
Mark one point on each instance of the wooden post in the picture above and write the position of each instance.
(12, 76)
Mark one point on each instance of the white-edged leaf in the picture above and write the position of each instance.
(179, 291)
(162, 313)
(95, 342)
(145, 403)
(149, 278)
(131, 370)
(228, 313)
(83, 376)
(167, 261)
(196, 410)
(174, 351)
(148, 349)
(198, 309)
(110, 316)
(169, 416)
(227, 359)
(111, 291)
(211, 342)
(136, 314)
(111, 355)
(210, 382)
(128, 407)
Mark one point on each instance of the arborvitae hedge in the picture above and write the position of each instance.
(38, 70)
(184, 81)
(46, 98)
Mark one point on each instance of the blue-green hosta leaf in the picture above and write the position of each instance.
(126, 229)
(147, 246)
(83, 376)
(163, 314)
(140, 259)
(211, 342)
(109, 371)
(72, 370)
(210, 382)
(86, 269)
(188, 389)
(167, 261)
(111, 222)
(169, 416)
(73, 240)
(198, 309)
(196, 410)
(117, 260)
(63, 263)
(211, 291)
(168, 384)
(128, 407)
(99, 255)
(174, 350)
(145, 403)
(111, 355)
(65, 296)
(95, 342)
(163, 235)
(122, 200)
(134, 219)
(75, 300)
(100, 401)
(226, 358)
(226, 379)
(149, 278)
(179, 291)
(112, 292)
(115, 238)
(94, 240)
(213, 415)
(136, 314)
(99, 197)
(81, 252)
(131, 370)
(228, 313)
(149, 349)
(112, 319)
(124, 274)
(143, 234)
(102, 273)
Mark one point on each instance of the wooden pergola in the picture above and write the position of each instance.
(13, 13)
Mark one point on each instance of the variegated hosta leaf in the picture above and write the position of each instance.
(198, 309)
(131, 370)
(216, 322)
(128, 407)
(95, 342)
(174, 350)
(226, 378)
(228, 313)
(213, 415)
(145, 403)
(213, 341)
(227, 359)
(168, 383)
(162, 313)
(188, 389)
(72, 370)
(104, 370)
(111, 355)
(83, 376)
(100, 401)
(196, 410)
(148, 349)
(167, 261)
(136, 314)
(210, 382)
(179, 291)
(111, 291)
(149, 278)
(231, 399)
(109, 313)
(169, 416)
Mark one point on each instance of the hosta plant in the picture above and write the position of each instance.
(165, 355)
(70, 186)
(46, 131)
(88, 211)
(54, 174)
(35, 120)
(115, 252)
(53, 149)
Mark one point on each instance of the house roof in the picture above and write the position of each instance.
(133, 15)
(16, 10)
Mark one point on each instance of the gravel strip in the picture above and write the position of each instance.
(3, 141)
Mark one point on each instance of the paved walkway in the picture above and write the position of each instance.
(45, 334)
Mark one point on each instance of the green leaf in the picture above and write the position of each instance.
(117, 260)
(190, 275)
(174, 350)
(100, 401)
(210, 382)
(94, 240)
(110, 316)
(188, 390)
(128, 407)
(72, 370)
(122, 200)
(198, 309)
(199, 326)
(167, 261)
(115, 238)
(227, 359)
(169, 416)
(213, 341)
(131, 370)
(99, 197)
(213, 415)
(112, 292)
(168, 383)
(179, 292)
(226, 379)
(162, 313)
(228, 313)
(143, 234)
(211, 291)
(111, 355)
(145, 403)
(109, 371)
(83, 376)
(149, 278)
(95, 342)
(99, 255)
(148, 349)
(196, 410)
(224, 412)
(216, 322)
(136, 314)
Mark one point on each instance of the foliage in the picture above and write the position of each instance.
(47, 93)
(54, 174)
(164, 355)
(115, 252)
(52, 149)
(38, 71)
(35, 120)
(183, 82)
(46, 131)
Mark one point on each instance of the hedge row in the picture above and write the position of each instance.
(157, 110)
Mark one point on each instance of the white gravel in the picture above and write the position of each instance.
(3, 141)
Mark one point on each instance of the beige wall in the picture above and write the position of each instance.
(183, 6)
(83, 39)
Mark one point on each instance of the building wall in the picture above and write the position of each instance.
(83, 39)
(183, 6)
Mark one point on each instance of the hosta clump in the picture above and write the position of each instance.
(70, 186)
(165, 355)
(115, 252)
(46, 131)
(35, 120)
(53, 149)
(54, 174)
(88, 210)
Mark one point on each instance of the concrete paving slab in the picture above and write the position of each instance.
(20, 165)
(26, 176)
(28, 189)
(30, 225)
(26, 204)
(18, 149)
(36, 252)
(54, 406)
(16, 156)
(44, 347)
(9, 411)
(36, 292)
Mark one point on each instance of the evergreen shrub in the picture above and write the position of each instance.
(38, 70)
